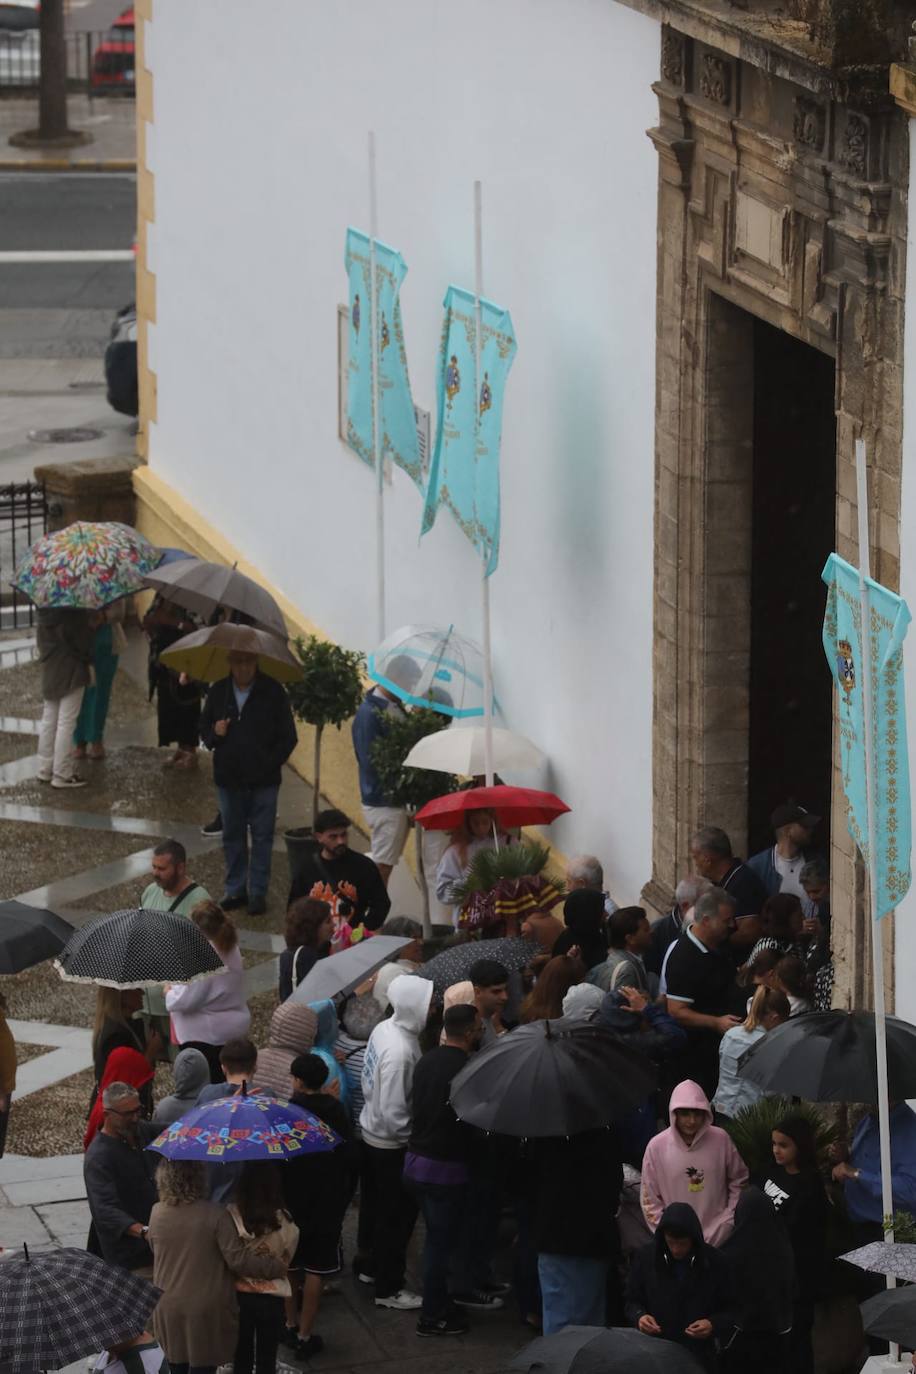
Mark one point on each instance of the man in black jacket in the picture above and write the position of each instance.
(120, 1184)
(348, 881)
(248, 724)
(436, 1167)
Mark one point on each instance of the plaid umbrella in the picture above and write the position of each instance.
(250, 1126)
(88, 564)
(29, 934)
(138, 949)
(61, 1305)
(897, 1258)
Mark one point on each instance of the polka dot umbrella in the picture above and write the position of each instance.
(138, 949)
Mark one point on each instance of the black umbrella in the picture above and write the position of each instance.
(61, 1305)
(138, 949)
(452, 965)
(599, 1350)
(891, 1315)
(551, 1078)
(29, 934)
(829, 1056)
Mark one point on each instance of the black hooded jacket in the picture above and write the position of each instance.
(258, 742)
(678, 1293)
(761, 1265)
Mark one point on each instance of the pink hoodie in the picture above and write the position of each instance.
(709, 1174)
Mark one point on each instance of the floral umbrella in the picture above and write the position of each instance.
(86, 565)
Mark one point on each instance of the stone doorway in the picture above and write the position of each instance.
(793, 513)
(782, 208)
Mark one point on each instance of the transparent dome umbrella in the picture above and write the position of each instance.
(428, 665)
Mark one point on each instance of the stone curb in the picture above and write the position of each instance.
(62, 164)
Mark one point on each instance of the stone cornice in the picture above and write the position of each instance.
(773, 43)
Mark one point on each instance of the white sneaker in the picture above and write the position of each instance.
(403, 1301)
(43, 777)
(73, 781)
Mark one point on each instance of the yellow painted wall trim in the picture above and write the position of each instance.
(146, 214)
(168, 519)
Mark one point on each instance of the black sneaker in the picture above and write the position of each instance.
(304, 1350)
(257, 906)
(290, 1337)
(233, 903)
(214, 827)
(499, 1289)
(452, 1324)
(480, 1298)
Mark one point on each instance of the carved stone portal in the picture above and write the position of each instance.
(785, 198)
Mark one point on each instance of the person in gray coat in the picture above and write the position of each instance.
(191, 1073)
(65, 638)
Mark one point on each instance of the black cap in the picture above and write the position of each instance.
(789, 812)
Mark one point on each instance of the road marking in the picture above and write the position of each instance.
(71, 255)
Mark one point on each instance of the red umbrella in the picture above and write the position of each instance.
(513, 806)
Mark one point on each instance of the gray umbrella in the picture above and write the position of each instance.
(345, 971)
(29, 934)
(880, 1257)
(602, 1350)
(891, 1315)
(202, 587)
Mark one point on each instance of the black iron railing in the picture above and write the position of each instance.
(100, 63)
(23, 519)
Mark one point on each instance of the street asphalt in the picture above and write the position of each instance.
(55, 318)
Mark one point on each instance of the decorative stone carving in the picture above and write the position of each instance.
(673, 56)
(809, 124)
(716, 79)
(854, 153)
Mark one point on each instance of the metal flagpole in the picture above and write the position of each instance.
(485, 581)
(376, 427)
(877, 934)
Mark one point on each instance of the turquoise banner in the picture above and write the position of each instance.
(398, 426)
(890, 618)
(464, 472)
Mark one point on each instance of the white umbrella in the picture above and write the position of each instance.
(462, 749)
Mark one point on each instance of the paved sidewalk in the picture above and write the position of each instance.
(111, 121)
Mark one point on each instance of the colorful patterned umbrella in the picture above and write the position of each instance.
(86, 565)
(253, 1126)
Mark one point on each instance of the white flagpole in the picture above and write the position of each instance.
(376, 427)
(485, 581)
(877, 935)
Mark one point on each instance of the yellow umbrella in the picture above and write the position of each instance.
(204, 655)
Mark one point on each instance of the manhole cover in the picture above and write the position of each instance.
(75, 435)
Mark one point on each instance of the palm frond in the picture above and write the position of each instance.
(489, 866)
(752, 1130)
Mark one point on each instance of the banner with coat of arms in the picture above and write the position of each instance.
(397, 422)
(464, 472)
(890, 618)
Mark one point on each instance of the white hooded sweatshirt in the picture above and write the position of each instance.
(391, 1055)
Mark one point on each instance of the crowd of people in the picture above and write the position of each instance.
(656, 1221)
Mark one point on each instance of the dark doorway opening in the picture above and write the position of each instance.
(794, 503)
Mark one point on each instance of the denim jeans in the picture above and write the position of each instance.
(244, 809)
(573, 1291)
(443, 1207)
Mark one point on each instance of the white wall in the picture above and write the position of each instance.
(905, 928)
(259, 154)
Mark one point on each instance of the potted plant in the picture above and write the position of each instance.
(411, 787)
(328, 693)
(510, 879)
